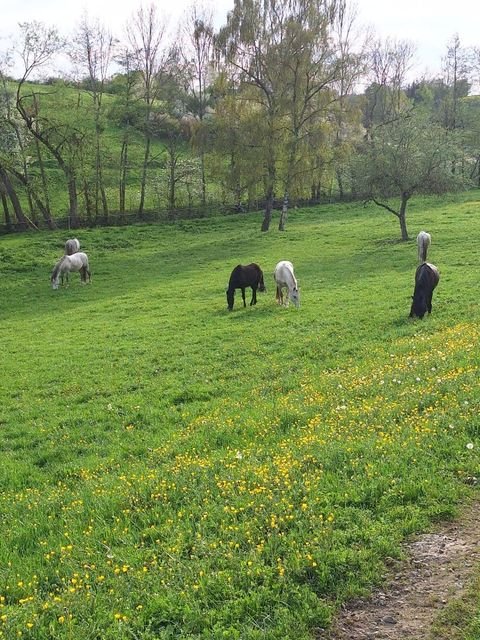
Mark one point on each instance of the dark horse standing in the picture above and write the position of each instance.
(249, 275)
(426, 279)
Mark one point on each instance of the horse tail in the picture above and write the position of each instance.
(423, 241)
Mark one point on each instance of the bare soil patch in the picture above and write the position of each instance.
(438, 568)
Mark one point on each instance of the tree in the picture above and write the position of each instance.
(389, 62)
(346, 117)
(62, 139)
(92, 52)
(146, 34)
(247, 46)
(126, 115)
(457, 64)
(402, 157)
(198, 54)
(236, 143)
(311, 65)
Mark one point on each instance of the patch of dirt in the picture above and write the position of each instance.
(438, 568)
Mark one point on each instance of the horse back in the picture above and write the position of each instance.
(246, 276)
(284, 274)
(79, 260)
(427, 276)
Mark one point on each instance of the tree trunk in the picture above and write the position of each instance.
(6, 211)
(123, 175)
(204, 180)
(73, 200)
(12, 194)
(284, 215)
(267, 218)
(99, 187)
(39, 204)
(143, 184)
(340, 185)
(88, 201)
(171, 184)
(402, 216)
(43, 176)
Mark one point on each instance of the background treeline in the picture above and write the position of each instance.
(286, 103)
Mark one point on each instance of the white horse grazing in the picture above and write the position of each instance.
(424, 240)
(285, 278)
(72, 246)
(75, 262)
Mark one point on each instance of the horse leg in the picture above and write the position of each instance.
(429, 302)
(254, 296)
(243, 297)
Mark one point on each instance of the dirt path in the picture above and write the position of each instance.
(438, 568)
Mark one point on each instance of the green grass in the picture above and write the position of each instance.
(172, 470)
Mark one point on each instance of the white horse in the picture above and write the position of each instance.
(285, 278)
(72, 246)
(424, 240)
(75, 262)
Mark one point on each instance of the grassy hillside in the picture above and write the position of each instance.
(172, 470)
(68, 108)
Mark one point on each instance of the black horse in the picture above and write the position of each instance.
(249, 275)
(426, 279)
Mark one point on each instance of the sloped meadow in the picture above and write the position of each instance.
(173, 470)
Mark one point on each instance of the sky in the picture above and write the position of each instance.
(428, 24)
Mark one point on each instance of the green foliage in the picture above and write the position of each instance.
(172, 470)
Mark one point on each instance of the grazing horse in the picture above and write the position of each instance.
(426, 279)
(424, 240)
(285, 278)
(75, 262)
(243, 276)
(72, 246)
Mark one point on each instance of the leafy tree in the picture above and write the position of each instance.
(248, 48)
(235, 142)
(403, 157)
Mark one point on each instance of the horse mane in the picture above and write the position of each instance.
(56, 268)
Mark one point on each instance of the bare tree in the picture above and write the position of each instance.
(389, 62)
(38, 45)
(91, 52)
(198, 54)
(125, 112)
(147, 39)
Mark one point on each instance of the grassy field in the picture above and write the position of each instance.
(171, 470)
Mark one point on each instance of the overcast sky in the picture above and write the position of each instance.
(428, 24)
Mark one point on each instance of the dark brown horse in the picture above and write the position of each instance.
(426, 279)
(243, 276)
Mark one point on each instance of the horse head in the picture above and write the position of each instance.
(295, 296)
(261, 283)
(419, 306)
(230, 298)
